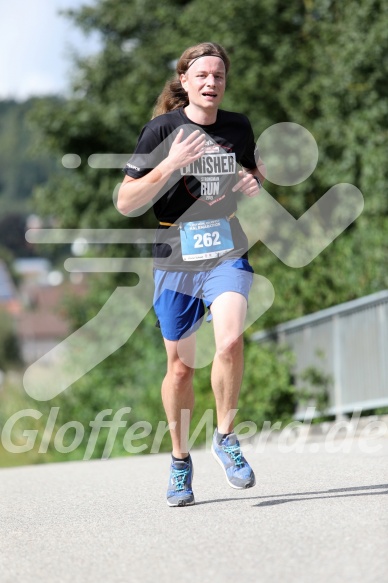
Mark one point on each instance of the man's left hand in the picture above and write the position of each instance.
(248, 184)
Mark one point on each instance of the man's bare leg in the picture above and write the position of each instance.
(178, 394)
(229, 311)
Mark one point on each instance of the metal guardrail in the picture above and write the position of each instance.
(352, 339)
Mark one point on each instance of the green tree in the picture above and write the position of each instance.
(23, 166)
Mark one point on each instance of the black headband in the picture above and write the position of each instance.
(206, 55)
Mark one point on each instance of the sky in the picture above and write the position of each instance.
(35, 47)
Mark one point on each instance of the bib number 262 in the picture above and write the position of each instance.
(206, 240)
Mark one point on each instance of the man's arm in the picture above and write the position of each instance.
(136, 192)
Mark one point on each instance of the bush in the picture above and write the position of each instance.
(9, 345)
(268, 392)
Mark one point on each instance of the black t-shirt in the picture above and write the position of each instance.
(202, 190)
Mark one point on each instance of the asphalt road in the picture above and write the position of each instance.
(316, 515)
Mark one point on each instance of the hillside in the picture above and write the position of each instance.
(23, 166)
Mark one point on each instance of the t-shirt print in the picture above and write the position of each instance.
(212, 176)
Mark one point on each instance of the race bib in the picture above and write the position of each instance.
(205, 239)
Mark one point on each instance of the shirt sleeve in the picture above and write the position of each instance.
(146, 156)
(251, 154)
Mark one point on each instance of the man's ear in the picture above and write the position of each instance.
(183, 81)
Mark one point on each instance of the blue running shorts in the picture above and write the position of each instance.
(181, 296)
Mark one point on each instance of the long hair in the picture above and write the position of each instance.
(173, 95)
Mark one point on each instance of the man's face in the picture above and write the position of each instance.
(204, 82)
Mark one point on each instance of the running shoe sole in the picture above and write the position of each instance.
(181, 503)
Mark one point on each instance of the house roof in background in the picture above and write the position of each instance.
(46, 317)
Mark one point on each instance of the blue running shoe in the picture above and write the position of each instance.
(238, 472)
(179, 491)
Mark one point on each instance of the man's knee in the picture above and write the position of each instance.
(180, 373)
(230, 347)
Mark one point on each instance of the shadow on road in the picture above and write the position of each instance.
(302, 496)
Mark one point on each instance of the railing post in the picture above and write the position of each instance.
(337, 368)
(383, 344)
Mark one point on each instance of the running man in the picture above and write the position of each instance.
(186, 163)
